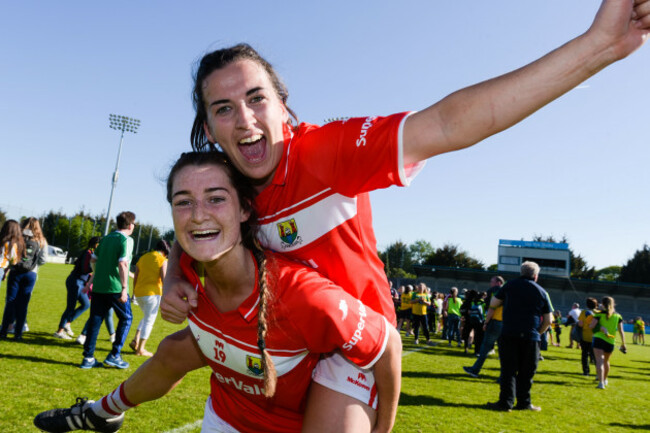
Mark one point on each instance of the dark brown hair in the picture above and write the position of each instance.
(11, 235)
(220, 59)
(246, 195)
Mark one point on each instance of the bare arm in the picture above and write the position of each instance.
(622, 334)
(388, 373)
(163, 270)
(546, 322)
(135, 276)
(179, 296)
(470, 115)
(123, 268)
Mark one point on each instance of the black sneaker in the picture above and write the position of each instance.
(471, 372)
(498, 407)
(77, 417)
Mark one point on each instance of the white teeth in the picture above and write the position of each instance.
(252, 139)
(204, 232)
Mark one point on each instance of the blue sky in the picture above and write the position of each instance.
(576, 168)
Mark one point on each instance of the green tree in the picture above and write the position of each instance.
(610, 273)
(420, 250)
(452, 256)
(397, 259)
(3, 217)
(637, 269)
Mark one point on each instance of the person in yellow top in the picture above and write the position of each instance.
(639, 331)
(147, 290)
(420, 300)
(585, 318)
(404, 313)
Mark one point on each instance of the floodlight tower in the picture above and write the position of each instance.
(123, 124)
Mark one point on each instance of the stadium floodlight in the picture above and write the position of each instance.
(122, 124)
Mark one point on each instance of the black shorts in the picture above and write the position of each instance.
(601, 344)
(405, 314)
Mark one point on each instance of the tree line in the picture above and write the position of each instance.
(399, 261)
(71, 233)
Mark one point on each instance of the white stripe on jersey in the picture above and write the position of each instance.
(233, 354)
(268, 217)
(312, 222)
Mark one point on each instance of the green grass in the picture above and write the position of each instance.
(437, 396)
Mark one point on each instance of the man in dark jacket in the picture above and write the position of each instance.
(526, 315)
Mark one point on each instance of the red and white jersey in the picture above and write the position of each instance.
(317, 209)
(307, 315)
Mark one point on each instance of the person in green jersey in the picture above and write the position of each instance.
(605, 325)
(111, 290)
(639, 331)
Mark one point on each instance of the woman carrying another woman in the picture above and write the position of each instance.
(605, 324)
(261, 321)
(147, 288)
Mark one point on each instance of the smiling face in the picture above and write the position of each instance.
(246, 118)
(206, 212)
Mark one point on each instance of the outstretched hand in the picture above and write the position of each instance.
(622, 25)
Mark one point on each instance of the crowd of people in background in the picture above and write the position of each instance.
(23, 249)
(475, 319)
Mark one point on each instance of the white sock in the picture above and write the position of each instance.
(113, 404)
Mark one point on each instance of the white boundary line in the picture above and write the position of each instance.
(187, 427)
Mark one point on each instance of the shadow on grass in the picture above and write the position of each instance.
(427, 400)
(39, 360)
(631, 426)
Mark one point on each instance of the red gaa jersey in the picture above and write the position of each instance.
(307, 315)
(317, 209)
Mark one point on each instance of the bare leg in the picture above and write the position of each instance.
(135, 342)
(331, 412)
(176, 356)
(600, 360)
(142, 351)
(606, 365)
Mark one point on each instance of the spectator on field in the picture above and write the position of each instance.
(454, 303)
(472, 311)
(404, 317)
(12, 246)
(22, 278)
(74, 285)
(584, 320)
(394, 294)
(491, 327)
(420, 300)
(432, 315)
(605, 324)
(557, 326)
(111, 290)
(147, 290)
(572, 321)
(526, 315)
(639, 331)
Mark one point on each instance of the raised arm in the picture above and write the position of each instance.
(470, 115)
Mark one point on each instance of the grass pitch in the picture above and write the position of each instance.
(437, 395)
